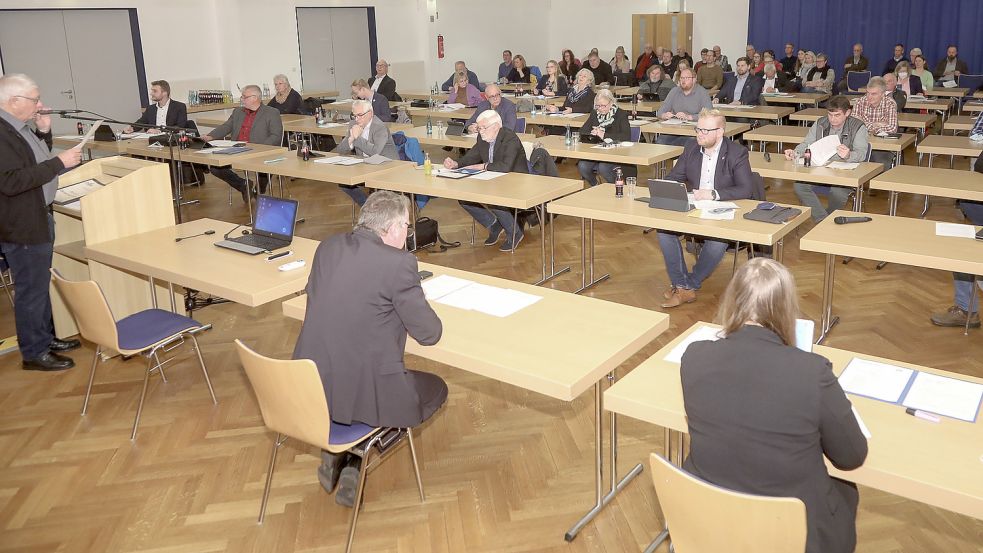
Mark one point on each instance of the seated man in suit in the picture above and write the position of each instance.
(380, 105)
(505, 67)
(162, 112)
(892, 90)
(713, 168)
(363, 298)
(741, 89)
(877, 109)
(497, 149)
(773, 80)
(852, 148)
(856, 62)
(493, 101)
(684, 102)
(951, 66)
(382, 83)
(460, 67)
(254, 122)
(367, 136)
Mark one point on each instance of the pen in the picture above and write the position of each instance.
(273, 160)
(922, 415)
(279, 255)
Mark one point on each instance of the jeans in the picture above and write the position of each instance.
(237, 182)
(673, 140)
(29, 264)
(807, 195)
(488, 216)
(672, 252)
(963, 282)
(587, 169)
(355, 192)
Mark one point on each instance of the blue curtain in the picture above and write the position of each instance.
(833, 26)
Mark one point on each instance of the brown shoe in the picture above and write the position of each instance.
(679, 297)
(955, 316)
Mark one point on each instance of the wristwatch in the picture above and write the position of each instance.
(716, 195)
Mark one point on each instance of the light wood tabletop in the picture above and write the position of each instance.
(643, 106)
(141, 147)
(775, 113)
(791, 134)
(945, 183)
(959, 123)
(947, 92)
(781, 168)
(920, 121)
(544, 120)
(216, 118)
(689, 129)
(291, 165)
(934, 104)
(639, 153)
(948, 145)
(423, 113)
(441, 138)
(307, 124)
(973, 107)
(198, 264)
(937, 464)
(796, 98)
(114, 147)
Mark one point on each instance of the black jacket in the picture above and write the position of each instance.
(750, 94)
(561, 85)
(602, 74)
(23, 213)
(619, 130)
(732, 179)
(387, 88)
(510, 156)
(584, 105)
(177, 115)
(293, 104)
(781, 82)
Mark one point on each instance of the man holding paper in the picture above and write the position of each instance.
(28, 182)
(713, 168)
(852, 148)
(367, 136)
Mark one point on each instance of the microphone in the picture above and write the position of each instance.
(58, 111)
(206, 233)
(847, 220)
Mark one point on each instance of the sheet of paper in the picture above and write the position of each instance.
(76, 191)
(439, 286)
(860, 422)
(376, 159)
(672, 122)
(88, 136)
(945, 396)
(955, 230)
(713, 204)
(452, 107)
(842, 165)
(338, 160)
(127, 136)
(70, 137)
(949, 84)
(507, 302)
(330, 125)
(732, 106)
(487, 175)
(824, 149)
(491, 300)
(701, 334)
(223, 143)
(804, 331)
(875, 380)
(74, 206)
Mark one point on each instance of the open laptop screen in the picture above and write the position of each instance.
(275, 217)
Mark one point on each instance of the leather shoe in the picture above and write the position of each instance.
(64, 345)
(348, 482)
(48, 362)
(679, 297)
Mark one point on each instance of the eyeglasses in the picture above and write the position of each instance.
(489, 96)
(690, 78)
(250, 96)
(485, 128)
(707, 131)
(33, 100)
(357, 115)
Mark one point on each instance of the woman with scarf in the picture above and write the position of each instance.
(606, 121)
(520, 73)
(580, 97)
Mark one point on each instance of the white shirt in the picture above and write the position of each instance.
(770, 83)
(708, 168)
(162, 113)
(376, 83)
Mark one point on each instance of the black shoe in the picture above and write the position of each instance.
(530, 218)
(330, 470)
(348, 482)
(48, 362)
(494, 233)
(64, 345)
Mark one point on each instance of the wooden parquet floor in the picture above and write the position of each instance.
(504, 469)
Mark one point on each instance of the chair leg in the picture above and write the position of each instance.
(143, 393)
(277, 442)
(159, 366)
(416, 466)
(92, 377)
(737, 249)
(201, 361)
(359, 492)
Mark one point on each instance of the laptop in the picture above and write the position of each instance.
(455, 127)
(273, 229)
(667, 194)
(650, 96)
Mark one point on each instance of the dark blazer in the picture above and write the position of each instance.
(732, 180)
(561, 84)
(510, 156)
(619, 130)
(515, 78)
(761, 416)
(891, 64)
(380, 107)
(915, 84)
(387, 87)
(177, 115)
(961, 67)
(293, 104)
(750, 94)
(23, 213)
(584, 105)
(788, 66)
(603, 73)
(363, 297)
(781, 82)
(862, 65)
(267, 127)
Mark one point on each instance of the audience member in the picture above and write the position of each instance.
(857, 62)
(505, 67)
(742, 88)
(367, 136)
(552, 83)
(721, 59)
(600, 68)
(380, 106)
(710, 75)
(460, 67)
(821, 77)
(788, 62)
(878, 111)
(286, 99)
(621, 65)
(606, 121)
(382, 83)
(774, 80)
(924, 75)
(644, 61)
(668, 63)
(162, 111)
(464, 92)
(580, 97)
(657, 84)
(951, 66)
(569, 65)
(519, 73)
(908, 81)
(898, 56)
(683, 102)
(892, 89)
(495, 102)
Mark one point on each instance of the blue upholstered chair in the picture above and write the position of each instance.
(520, 125)
(143, 333)
(855, 80)
(291, 398)
(636, 134)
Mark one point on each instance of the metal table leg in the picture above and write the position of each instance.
(778, 250)
(828, 320)
(553, 273)
(585, 274)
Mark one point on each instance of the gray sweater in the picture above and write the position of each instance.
(853, 135)
(690, 104)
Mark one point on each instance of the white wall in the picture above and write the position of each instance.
(720, 22)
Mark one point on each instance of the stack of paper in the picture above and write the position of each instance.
(875, 380)
(955, 230)
(487, 175)
(701, 334)
(473, 296)
(338, 160)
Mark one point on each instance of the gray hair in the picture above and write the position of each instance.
(604, 94)
(772, 67)
(587, 72)
(15, 84)
(281, 77)
(490, 116)
(382, 210)
(491, 88)
(363, 105)
(877, 82)
(252, 88)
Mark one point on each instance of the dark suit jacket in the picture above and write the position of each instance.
(761, 416)
(862, 65)
(603, 73)
(961, 67)
(267, 127)
(380, 107)
(363, 297)
(890, 64)
(510, 156)
(23, 213)
(750, 94)
(732, 179)
(177, 115)
(781, 82)
(387, 87)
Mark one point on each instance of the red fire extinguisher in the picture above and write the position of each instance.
(440, 47)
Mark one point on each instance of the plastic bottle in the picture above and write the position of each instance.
(807, 158)
(305, 151)
(634, 107)
(568, 138)
(429, 126)
(80, 127)
(427, 166)
(619, 183)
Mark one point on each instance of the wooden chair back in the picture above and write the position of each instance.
(88, 306)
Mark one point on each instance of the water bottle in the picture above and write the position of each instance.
(427, 166)
(80, 127)
(807, 158)
(568, 138)
(305, 151)
(619, 183)
(429, 126)
(634, 107)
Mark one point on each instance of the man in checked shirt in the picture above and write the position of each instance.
(879, 112)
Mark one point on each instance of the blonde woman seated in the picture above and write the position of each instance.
(520, 73)
(763, 414)
(463, 92)
(553, 82)
(580, 98)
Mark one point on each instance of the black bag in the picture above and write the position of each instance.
(778, 216)
(427, 235)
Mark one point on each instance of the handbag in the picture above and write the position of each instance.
(779, 215)
(428, 234)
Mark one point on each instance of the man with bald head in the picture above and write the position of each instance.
(494, 101)
(367, 136)
(28, 182)
(382, 83)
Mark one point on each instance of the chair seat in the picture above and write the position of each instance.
(348, 433)
(144, 329)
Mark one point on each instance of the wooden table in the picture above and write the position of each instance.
(511, 190)
(215, 118)
(307, 124)
(544, 120)
(731, 129)
(639, 153)
(598, 203)
(947, 92)
(945, 183)
(769, 113)
(197, 264)
(441, 138)
(937, 464)
(973, 107)
(797, 98)
(115, 147)
(959, 123)
(920, 121)
(561, 361)
(291, 165)
(420, 115)
(795, 135)
(888, 239)
(781, 168)
(643, 106)
(951, 146)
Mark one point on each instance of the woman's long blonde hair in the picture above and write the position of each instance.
(763, 292)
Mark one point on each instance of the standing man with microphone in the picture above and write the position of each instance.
(28, 182)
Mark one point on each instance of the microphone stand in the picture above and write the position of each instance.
(171, 132)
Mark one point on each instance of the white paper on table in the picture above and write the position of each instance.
(710, 216)
(338, 160)
(713, 204)
(487, 175)
(949, 84)
(70, 137)
(672, 122)
(508, 302)
(74, 206)
(376, 159)
(875, 380)
(88, 136)
(737, 106)
(955, 230)
(945, 396)
(804, 330)
(330, 125)
(824, 149)
(491, 300)
(129, 135)
(916, 98)
(842, 165)
(701, 334)
(439, 286)
(223, 143)
(606, 146)
(860, 422)
(76, 191)
(452, 107)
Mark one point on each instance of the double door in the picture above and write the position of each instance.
(335, 47)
